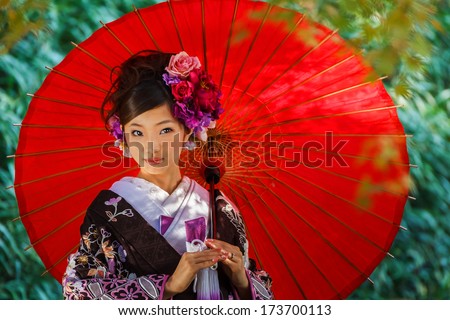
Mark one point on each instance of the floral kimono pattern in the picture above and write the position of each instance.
(122, 257)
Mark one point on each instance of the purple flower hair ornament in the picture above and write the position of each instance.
(116, 131)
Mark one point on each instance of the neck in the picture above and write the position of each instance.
(167, 182)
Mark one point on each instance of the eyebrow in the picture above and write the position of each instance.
(159, 123)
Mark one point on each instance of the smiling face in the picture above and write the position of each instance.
(156, 135)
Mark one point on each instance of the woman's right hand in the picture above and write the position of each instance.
(190, 263)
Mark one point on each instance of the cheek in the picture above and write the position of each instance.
(136, 154)
(175, 147)
(137, 148)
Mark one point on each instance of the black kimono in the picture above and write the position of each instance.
(121, 256)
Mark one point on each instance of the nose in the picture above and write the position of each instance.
(154, 148)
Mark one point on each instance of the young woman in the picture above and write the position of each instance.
(146, 237)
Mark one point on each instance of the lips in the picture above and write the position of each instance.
(154, 160)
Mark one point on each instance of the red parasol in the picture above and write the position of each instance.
(315, 154)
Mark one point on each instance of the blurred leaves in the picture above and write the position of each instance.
(18, 18)
(393, 33)
(421, 269)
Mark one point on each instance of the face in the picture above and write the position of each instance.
(155, 139)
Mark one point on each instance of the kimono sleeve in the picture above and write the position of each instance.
(97, 271)
(259, 280)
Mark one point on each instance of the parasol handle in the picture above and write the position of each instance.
(212, 176)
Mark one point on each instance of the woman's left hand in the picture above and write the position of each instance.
(233, 265)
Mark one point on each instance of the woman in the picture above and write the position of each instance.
(146, 237)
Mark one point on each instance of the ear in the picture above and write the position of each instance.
(123, 133)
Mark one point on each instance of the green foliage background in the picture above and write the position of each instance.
(35, 34)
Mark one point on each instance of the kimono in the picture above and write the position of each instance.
(134, 234)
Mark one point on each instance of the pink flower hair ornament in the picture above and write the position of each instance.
(196, 98)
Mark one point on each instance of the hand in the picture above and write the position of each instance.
(190, 263)
(233, 265)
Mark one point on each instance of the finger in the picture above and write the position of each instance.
(231, 266)
(206, 264)
(195, 254)
(207, 255)
(205, 261)
(234, 260)
(232, 252)
(215, 247)
(215, 243)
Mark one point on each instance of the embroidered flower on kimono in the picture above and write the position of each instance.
(72, 258)
(92, 231)
(234, 215)
(235, 218)
(228, 208)
(130, 291)
(105, 234)
(100, 272)
(122, 253)
(113, 201)
(70, 269)
(92, 272)
(83, 259)
(111, 266)
(112, 216)
(86, 240)
(111, 283)
(108, 250)
(74, 288)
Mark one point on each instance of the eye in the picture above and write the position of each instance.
(139, 133)
(164, 130)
